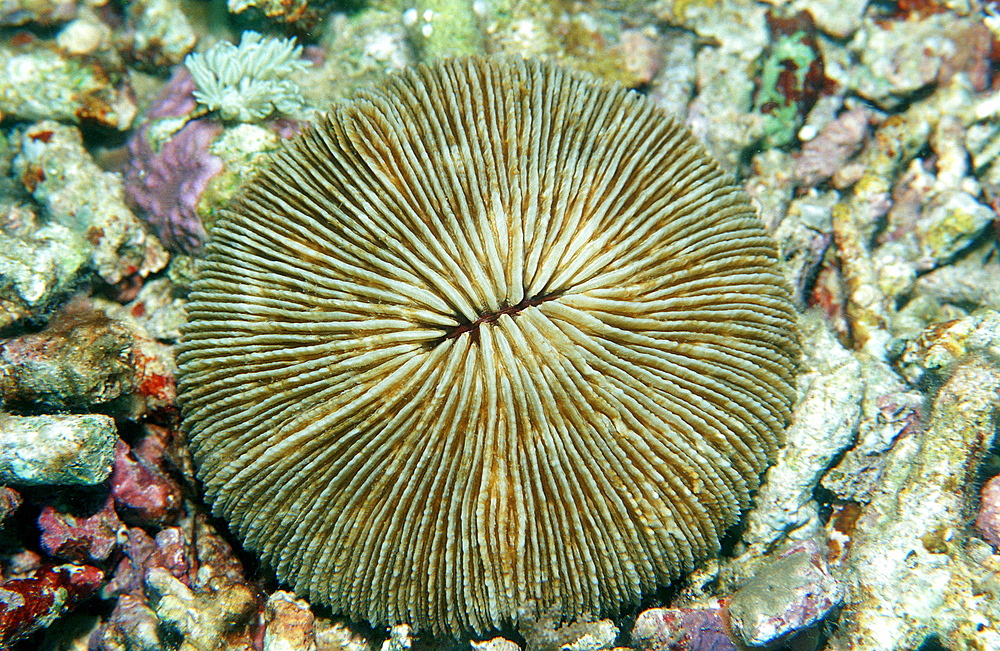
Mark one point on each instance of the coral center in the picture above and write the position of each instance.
(490, 317)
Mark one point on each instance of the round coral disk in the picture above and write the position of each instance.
(492, 341)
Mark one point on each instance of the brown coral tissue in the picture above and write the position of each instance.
(493, 340)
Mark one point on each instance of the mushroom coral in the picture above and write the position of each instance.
(493, 340)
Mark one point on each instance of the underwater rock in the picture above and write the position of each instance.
(214, 618)
(887, 413)
(56, 450)
(936, 223)
(805, 235)
(552, 635)
(856, 218)
(81, 537)
(39, 83)
(289, 623)
(839, 405)
(337, 636)
(974, 279)
(444, 28)
(824, 424)
(898, 58)
(838, 18)
(79, 361)
(721, 114)
(74, 192)
(40, 12)
(286, 11)
(21, 564)
(949, 223)
(144, 494)
(217, 562)
(674, 84)
(172, 552)
(940, 348)
(785, 599)
(34, 602)
(40, 264)
(187, 563)
(358, 49)
(85, 36)
(132, 626)
(682, 629)
(180, 178)
(826, 154)
(86, 360)
(983, 145)
(400, 638)
(192, 552)
(907, 572)
(138, 552)
(589, 636)
(599, 38)
(158, 33)
(243, 149)
(159, 307)
(495, 644)
(10, 501)
(988, 519)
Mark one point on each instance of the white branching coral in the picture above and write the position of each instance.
(250, 81)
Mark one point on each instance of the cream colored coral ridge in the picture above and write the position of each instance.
(492, 340)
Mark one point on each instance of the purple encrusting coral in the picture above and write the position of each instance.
(167, 183)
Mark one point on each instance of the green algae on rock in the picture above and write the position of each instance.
(493, 341)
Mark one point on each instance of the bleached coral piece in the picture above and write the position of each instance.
(248, 82)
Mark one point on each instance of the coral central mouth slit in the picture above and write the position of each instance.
(490, 317)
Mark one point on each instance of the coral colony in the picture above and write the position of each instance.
(248, 82)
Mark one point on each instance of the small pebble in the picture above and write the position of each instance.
(988, 520)
(400, 638)
(213, 619)
(681, 629)
(786, 597)
(593, 636)
(81, 538)
(143, 493)
(10, 501)
(290, 624)
(34, 602)
(338, 636)
(496, 644)
(82, 37)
